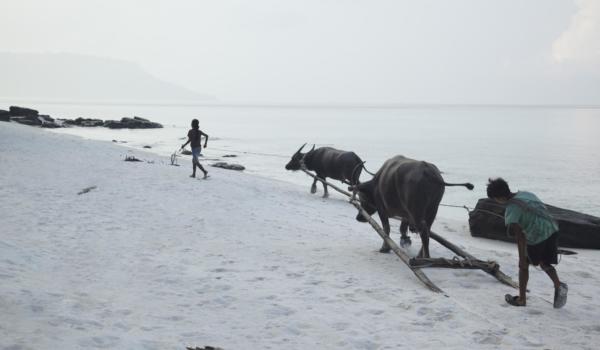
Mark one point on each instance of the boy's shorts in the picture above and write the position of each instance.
(196, 152)
(545, 251)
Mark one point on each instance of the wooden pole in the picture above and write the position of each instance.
(452, 263)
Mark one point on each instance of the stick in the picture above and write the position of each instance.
(452, 263)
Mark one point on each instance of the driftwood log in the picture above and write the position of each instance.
(576, 230)
(415, 264)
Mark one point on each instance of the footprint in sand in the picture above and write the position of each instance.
(365, 344)
(294, 275)
(100, 342)
(489, 337)
(376, 312)
(534, 312)
(14, 347)
(591, 329)
(340, 326)
(583, 274)
(279, 311)
(443, 314)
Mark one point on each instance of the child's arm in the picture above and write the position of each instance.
(205, 139)
(188, 141)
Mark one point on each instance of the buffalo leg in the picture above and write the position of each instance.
(313, 188)
(326, 194)
(404, 238)
(424, 233)
(385, 222)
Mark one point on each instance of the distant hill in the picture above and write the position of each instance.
(74, 77)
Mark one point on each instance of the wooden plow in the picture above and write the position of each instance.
(463, 260)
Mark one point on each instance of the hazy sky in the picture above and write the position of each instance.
(325, 51)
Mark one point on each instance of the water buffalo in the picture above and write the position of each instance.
(406, 188)
(328, 162)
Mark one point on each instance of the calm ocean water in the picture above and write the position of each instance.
(554, 152)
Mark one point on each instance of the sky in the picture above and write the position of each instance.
(326, 51)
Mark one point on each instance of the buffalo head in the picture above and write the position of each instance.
(294, 163)
(366, 197)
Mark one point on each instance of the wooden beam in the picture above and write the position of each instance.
(452, 263)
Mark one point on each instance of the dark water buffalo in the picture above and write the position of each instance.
(328, 162)
(409, 189)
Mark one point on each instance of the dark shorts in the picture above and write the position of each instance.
(196, 152)
(544, 252)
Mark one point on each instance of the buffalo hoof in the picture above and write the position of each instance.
(385, 249)
(326, 195)
(423, 256)
(405, 242)
(313, 189)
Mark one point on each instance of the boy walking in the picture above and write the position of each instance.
(194, 136)
(536, 232)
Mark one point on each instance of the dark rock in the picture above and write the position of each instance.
(229, 166)
(132, 123)
(85, 122)
(46, 118)
(576, 230)
(4, 116)
(131, 159)
(26, 120)
(186, 152)
(86, 190)
(147, 146)
(48, 122)
(51, 125)
(113, 124)
(230, 156)
(23, 112)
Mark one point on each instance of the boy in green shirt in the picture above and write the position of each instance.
(536, 232)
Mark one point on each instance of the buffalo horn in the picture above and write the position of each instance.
(300, 149)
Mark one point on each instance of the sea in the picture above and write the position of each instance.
(549, 150)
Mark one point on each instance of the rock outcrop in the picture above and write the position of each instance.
(84, 122)
(23, 112)
(4, 116)
(32, 117)
(132, 123)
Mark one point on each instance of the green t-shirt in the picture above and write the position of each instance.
(531, 214)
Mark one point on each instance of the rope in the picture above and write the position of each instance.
(253, 153)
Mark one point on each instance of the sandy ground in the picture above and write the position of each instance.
(152, 259)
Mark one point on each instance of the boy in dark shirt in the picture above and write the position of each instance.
(194, 136)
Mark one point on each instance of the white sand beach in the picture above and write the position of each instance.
(152, 259)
